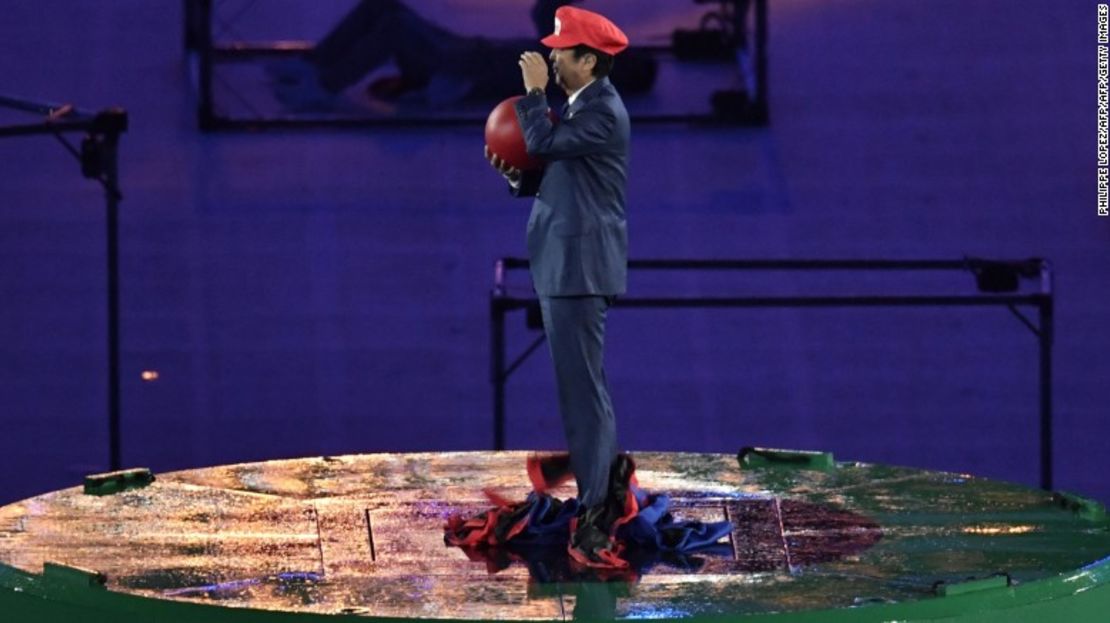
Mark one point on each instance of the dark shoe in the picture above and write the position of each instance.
(620, 501)
(593, 539)
(548, 471)
(591, 545)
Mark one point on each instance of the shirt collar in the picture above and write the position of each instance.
(574, 96)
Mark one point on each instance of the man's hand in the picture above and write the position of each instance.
(533, 68)
(511, 173)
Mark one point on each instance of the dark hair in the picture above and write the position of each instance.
(604, 63)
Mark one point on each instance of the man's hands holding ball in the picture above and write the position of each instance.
(511, 173)
(534, 71)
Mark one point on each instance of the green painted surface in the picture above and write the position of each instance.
(787, 459)
(287, 541)
(111, 483)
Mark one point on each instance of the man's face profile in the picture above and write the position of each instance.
(571, 73)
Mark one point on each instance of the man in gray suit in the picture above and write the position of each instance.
(578, 249)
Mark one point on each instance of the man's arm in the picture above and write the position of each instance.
(590, 129)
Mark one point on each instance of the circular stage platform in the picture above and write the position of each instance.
(357, 537)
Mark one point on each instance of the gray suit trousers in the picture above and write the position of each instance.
(575, 328)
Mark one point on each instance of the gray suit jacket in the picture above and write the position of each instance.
(577, 236)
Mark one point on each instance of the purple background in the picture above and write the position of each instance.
(305, 293)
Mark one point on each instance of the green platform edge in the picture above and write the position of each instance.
(1083, 595)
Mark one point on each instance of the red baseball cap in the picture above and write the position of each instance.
(574, 26)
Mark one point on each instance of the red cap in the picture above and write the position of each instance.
(574, 26)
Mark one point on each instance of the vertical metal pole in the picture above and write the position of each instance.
(497, 353)
(497, 369)
(761, 101)
(1045, 341)
(189, 23)
(203, 20)
(110, 154)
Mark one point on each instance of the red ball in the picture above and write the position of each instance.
(506, 139)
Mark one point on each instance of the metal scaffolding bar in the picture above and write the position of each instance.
(501, 303)
(99, 158)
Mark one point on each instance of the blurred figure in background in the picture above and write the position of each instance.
(436, 67)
